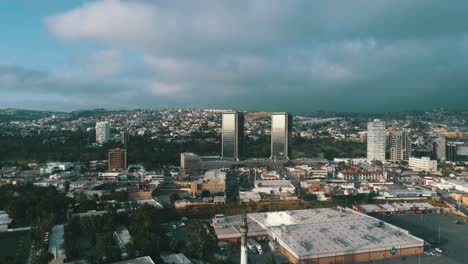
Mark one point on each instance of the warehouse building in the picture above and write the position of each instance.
(326, 235)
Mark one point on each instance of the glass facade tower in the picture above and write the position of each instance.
(281, 124)
(232, 135)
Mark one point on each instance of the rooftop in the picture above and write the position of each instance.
(323, 232)
(176, 259)
(140, 260)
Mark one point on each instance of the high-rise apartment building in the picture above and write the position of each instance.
(232, 135)
(102, 132)
(400, 146)
(117, 159)
(124, 138)
(439, 148)
(452, 150)
(376, 140)
(281, 130)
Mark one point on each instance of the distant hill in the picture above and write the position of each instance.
(13, 114)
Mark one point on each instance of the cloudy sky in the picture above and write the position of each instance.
(271, 55)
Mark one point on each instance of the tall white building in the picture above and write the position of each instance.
(376, 140)
(440, 148)
(102, 132)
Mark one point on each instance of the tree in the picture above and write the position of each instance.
(174, 197)
(66, 185)
(206, 193)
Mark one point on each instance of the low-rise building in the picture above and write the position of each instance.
(112, 176)
(5, 220)
(459, 185)
(176, 259)
(422, 164)
(247, 197)
(123, 237)
(190, 161)
(274, 187)
(309, 236)
(400, 192)
(362, 175)
(213, 181)
(140, 260)
(53, 167)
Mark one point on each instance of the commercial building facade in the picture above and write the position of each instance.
(281, 133)
(376, 140)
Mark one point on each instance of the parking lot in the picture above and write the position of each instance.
(453, 237)
(265, 258)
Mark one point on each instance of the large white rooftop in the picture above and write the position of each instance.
(316, 233)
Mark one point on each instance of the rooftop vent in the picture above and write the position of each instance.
(341, 242)
(307, 245)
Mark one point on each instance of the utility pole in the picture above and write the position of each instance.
(244, 230)
(439, 233)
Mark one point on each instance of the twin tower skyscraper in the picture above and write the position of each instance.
(232, 142)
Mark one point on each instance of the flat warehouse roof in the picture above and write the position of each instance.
(316, 233)
(230, 228)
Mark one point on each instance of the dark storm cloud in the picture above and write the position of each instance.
(272, 55)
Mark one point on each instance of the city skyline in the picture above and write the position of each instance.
(309, 56)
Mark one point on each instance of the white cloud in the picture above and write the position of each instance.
(110, 21)
(330, 71)
(261, 52)
(108, 62)
(165, 89)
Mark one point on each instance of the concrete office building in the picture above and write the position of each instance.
(376, 140)
(232, 135)
(400, 146)
(439, 148)
(102, 132)
(325, 235)
(422, 164)
(281, 130)
(117, 159)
